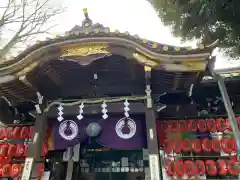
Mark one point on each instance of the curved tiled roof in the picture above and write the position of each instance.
(45, 66)
(89, 29)
(90, 32)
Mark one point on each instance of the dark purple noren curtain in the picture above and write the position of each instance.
(109, 136)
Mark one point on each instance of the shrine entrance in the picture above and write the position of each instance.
(84, 105)
(98, 162)
(112, 164)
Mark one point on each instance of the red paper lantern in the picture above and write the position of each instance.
(12, 150)
(15, 170)
(211, 125)
(16, 132)
(224, 145)
(21, 167)
(228, 125)
(6, 170)
(196, 145)
(168, 146)
(3, 133)
(177, 146)
(45, 149)
(25, 132)
(186, 145)
(1, 169)
(183, 126)
(232, 168)
(169, 166)
(206, 145)
(211, 167)
(222, 167)
(192, 125)
(168, 126)
(161, 127)
(202, 125)
(165, 126)
(3, 150)
(233, 145)
(228, 145)
(20, 150)
(216, 145)
(41, 170)
(9, 132)
(179, 168)
(200, 167)
(173, 125)
(234, 158)
(221, 124)
(26, 150)
(238, 121)
(189, 168)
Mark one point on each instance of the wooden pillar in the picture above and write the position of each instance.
(228, 106)
(70, 165)
(231, 115)
(35, 148)
(153, 150)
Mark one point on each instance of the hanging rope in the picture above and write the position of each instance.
(96, 101)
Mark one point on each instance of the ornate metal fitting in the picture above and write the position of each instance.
(85, 50)
(40, 101)
(144, 60)
(149, 97)
(40, 98)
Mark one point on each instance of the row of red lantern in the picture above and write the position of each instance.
(212, 168)
(17, 150)
(18, 132)
(201, 125)
(228, 145)
(15, 170)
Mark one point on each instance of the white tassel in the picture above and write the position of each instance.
(38, 109)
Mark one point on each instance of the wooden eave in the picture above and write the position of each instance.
(117, 42)
(67, 79)
(43, 67)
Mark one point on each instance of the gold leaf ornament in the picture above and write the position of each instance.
(165, 48)
(85, 50)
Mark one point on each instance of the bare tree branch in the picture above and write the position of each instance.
(25, 19)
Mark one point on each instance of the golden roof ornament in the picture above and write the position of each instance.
(87, 26)
(85, 11)
(87, 21)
